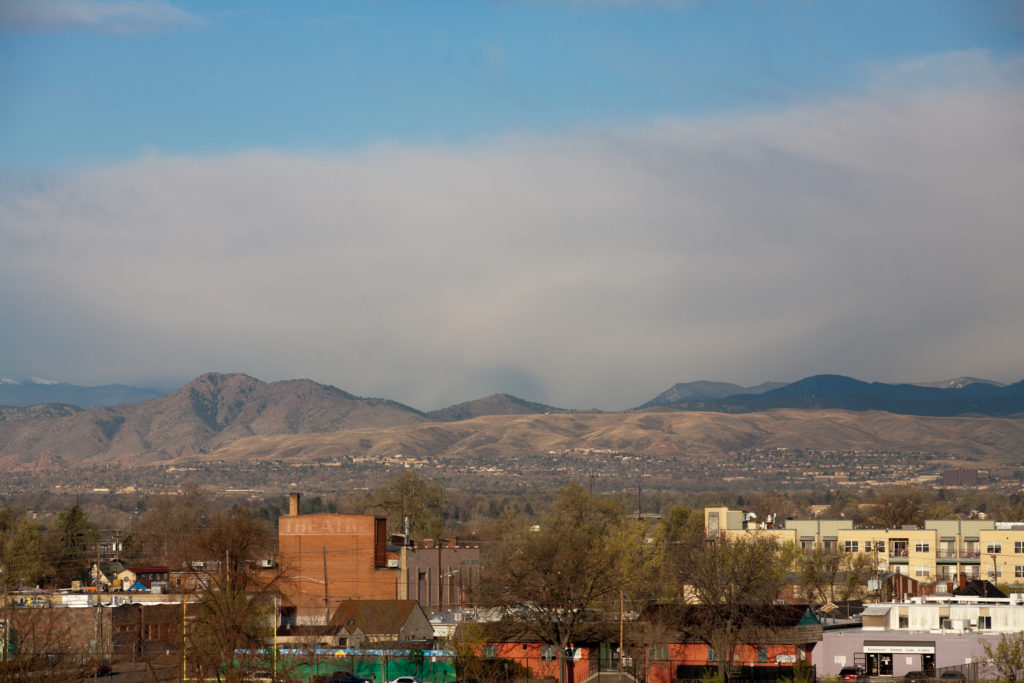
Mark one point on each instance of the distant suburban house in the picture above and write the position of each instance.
(395, 623)
(366, 624)
(104, 574)
(142, 577)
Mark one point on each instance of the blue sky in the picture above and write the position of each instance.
(207, 78)
(578, 202)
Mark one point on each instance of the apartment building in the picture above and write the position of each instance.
(939, 552)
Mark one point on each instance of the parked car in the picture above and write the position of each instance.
(404, 679)
(348, 677)
(917, 677)
(341, 677)
(953, 676)
(94, 669)
(851, 674)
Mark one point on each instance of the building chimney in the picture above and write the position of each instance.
(293, 503)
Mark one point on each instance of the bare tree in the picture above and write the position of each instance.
(897, 506)
(549, 576)
(1007, 656)
(408, 495)
(733, 583)
(227, 629)
(826, 576)
(233, 613)
(166, 532)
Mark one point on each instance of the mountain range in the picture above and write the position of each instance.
(237, 416)
(964, 396)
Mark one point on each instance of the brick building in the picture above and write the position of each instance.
(440, 575)
(141, 629)
(325, 558)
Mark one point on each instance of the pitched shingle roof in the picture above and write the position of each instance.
(373, 616)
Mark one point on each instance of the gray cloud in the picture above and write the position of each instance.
(94, 16)
(877, 236)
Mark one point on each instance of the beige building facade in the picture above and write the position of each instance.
(939, 552)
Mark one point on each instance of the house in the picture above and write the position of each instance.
(394, 623)
(658, 646)
(359, 624)
(142, 576)
(780, 636)
(977, 588)
(196, 577)
(103, 575)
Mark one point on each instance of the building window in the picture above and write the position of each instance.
(489, 652)
(880, 546)
(985, 622)
(922, 570)
(830, 545)
(994, 548)
(921, 547)
(548, 653)
(850, 546)
(762, 654)
(658, 653)
(994, 572)
(1018, 571)
(904, 621)
(712, 655)
(1018, 546)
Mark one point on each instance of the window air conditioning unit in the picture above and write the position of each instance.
(393, 562)
(266, 564)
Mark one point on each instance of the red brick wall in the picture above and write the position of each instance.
(355, 550)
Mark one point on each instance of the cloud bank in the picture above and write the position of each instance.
(877, 236)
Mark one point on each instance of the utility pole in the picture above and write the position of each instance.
(620, 634)
(327, 604)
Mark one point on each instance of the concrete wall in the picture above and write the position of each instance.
(840, 648)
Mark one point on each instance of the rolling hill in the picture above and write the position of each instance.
(209, 412)
(820, 392)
